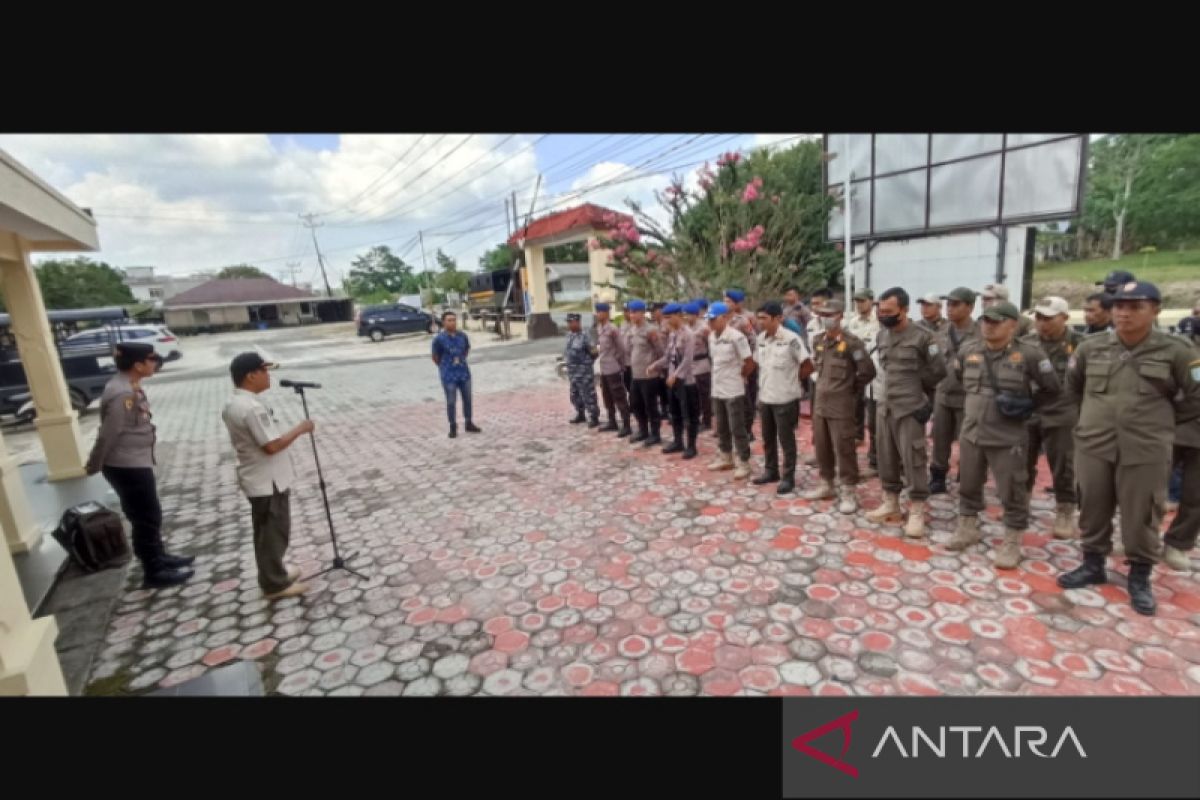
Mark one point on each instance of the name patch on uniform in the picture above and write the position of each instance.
(1016, 358)
(1045, 366)
(128, 403)
(857, 355)
(974, 358)
(933, 350)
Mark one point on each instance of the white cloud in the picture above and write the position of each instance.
(204, 201)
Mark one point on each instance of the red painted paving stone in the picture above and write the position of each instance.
(660, 578)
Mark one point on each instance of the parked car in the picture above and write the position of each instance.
(101, 340)
(380, 321)
(86, 378)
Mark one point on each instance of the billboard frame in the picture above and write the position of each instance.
(998, 221)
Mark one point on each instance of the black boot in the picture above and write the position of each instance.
(579, 417)
(157, 575)
(1090, 572)
(766, 477)
(176, 562)
(676, 445)
(610, 426)
(937, 480)
(690, 452)
(654, 440)
(787, 485)
(625, 431)
(641, 437)
(453, 431)
(594, 422)
(1140, 595)
(472, 427)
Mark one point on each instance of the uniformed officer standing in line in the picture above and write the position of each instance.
(795, 310)
(998, 293)
(931, 314)
(783, 362)
(1181, 536)
(693, 317)
(678, 365)
(1097, 313)
(865, 326)
(611, 361)
(124, 452)
(1115, 280)
(948, 404)
(913, 365)
(664, 398)
(732, 362)
(580, 360)
(744, 321)
(1130, 382)
(1052, 428)
(644, 345)
(844, 369)
(1004, 379)
(627, 373)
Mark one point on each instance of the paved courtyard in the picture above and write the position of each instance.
(540, 558)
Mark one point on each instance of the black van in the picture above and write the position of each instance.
(380, 321)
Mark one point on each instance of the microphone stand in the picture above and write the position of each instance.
(338, 561)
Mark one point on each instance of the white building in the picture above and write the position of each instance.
(148, 288)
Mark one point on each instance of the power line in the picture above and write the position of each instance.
(368, 188)
(392, 196)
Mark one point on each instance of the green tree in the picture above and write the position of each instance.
(379, 275)
(81, 283)
(500, 257)
(1142, 189)
(570, 253)
(242, 271)
(450, 279)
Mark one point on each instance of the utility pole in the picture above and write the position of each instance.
(312, 227)
(292, 267)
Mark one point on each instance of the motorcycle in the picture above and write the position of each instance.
(561, 367)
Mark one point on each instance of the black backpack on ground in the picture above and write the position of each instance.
(93, 537)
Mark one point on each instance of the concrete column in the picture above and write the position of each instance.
(21, 532)
(28, 663)
(601, 272)
(57, 423)
(540, 325)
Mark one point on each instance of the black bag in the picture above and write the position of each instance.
(93, 537)
(1012, 406)
(923, 413)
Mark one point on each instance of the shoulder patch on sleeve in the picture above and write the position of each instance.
(1045, 366)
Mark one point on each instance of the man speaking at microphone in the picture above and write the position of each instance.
(264, 471)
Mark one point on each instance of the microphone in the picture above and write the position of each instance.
(299, 385)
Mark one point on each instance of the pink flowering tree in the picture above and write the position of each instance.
(756, 221)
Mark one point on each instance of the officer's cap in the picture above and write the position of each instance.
(1002, 311)
(1116, 278)
(1137, 290)
(573, 318)
(962, 294)
(245, 363)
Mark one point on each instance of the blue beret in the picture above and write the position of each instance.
(637, 305)
(602, 306)
(672, 308)
(692, 308)
(736, 295)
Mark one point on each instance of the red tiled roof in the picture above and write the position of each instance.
(584, 216)
(231, 291)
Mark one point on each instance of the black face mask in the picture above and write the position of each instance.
(890, 322)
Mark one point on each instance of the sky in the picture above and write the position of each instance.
(187, 203)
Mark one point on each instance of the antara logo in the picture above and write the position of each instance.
(1023, 739)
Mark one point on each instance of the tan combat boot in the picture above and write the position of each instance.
(889, 510)
(1008, 554)
(824, 491)
(1176, 559)
(742, 471)
(966, 534)
(915, 528)
(722, 462)
(1064, 521)
(847, 500)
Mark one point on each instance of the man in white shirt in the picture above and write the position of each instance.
(784, 361)
(264, 471)
(731, 364)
